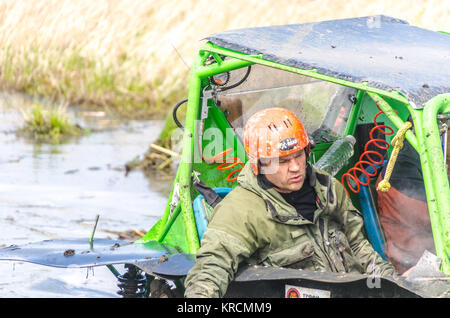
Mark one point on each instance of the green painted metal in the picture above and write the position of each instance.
(184, 173)
(209, 174)
(395, 119)
(199, 78)
(230, 136)
(427, 178)
(113, 270)
(427, 144)
(187, 156)
(169, 224)
(353, 115)
(257, 59)
(156, 231)
(226, 66)
(167, 212)
(198, 73)
(318, 151)
(440, 209)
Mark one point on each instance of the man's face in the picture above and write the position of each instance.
(286, 173)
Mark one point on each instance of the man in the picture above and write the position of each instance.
(282, 213)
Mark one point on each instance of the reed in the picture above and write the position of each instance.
(133, 56)
(48, 124)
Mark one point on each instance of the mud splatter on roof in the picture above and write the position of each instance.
(385, 52)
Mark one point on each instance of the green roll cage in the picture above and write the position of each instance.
(425, 141)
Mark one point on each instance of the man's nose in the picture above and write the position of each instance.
(294, 164)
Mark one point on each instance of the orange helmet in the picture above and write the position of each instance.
(272, 133)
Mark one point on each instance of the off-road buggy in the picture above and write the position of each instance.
(341, 77)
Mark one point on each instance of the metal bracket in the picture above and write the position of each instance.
(207, 95)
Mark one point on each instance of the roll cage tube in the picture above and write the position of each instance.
(199, 77)
(428, 145)
(436, 178)
(198, 73)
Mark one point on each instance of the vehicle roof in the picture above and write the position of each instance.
(385, 52)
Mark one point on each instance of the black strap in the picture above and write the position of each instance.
(208, 193)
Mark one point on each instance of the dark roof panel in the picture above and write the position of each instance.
(385, 52)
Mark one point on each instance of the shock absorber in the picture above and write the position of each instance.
(366, 157)
(131, 283)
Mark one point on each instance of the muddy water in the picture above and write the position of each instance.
(56, 191)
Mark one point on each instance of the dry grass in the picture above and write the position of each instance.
(121, 54)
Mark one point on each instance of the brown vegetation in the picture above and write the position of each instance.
(134, 56)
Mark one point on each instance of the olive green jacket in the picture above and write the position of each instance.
(258, 226)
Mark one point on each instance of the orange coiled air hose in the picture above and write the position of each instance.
(366, 159)
(227, 163)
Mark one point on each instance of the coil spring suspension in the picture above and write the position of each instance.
(132, 283)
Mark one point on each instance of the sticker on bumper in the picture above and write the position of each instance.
(303, 292)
